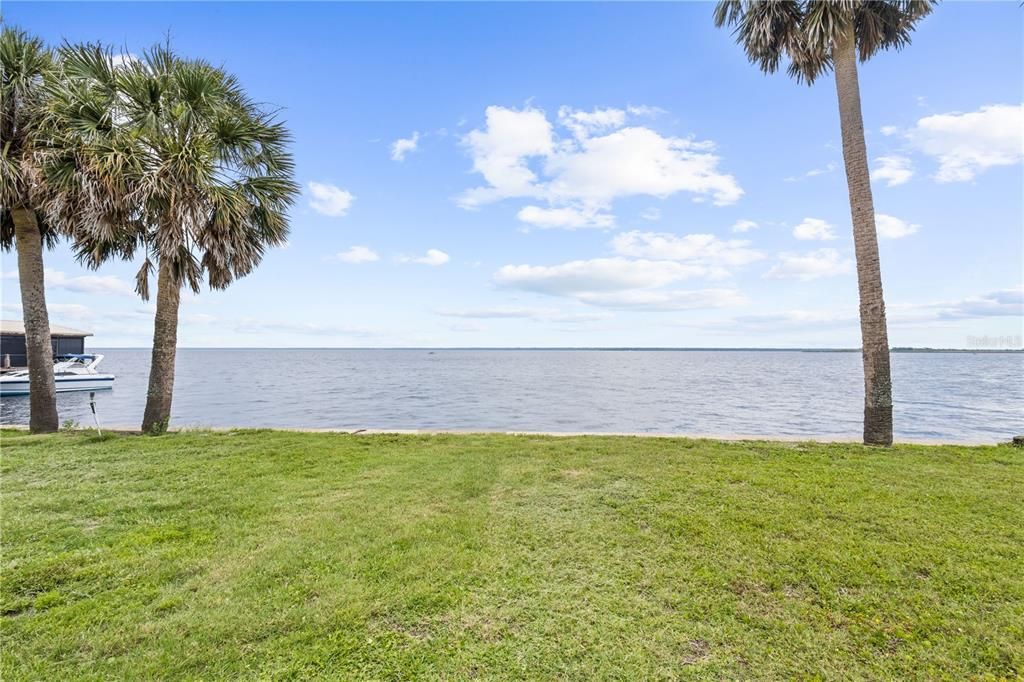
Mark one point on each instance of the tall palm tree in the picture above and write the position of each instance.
(26, 63)
(817, 36)
(208, 175)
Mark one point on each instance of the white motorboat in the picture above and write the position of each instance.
(70, 373)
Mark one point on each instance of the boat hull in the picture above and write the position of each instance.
(91, 382)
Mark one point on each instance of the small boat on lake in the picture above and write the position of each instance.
(70, 373)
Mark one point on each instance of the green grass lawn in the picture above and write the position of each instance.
(276, 555)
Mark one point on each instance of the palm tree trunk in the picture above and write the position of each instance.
(873, 330)
(165, 341)
(42, 391)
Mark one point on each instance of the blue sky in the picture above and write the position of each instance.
(586, 175)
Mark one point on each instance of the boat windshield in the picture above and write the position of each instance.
(83, 359)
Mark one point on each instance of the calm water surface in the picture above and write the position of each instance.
(946, 396)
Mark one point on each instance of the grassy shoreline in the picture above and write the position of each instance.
(280, 554)
(820, 438)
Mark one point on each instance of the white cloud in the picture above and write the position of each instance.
(586, 123)
(619, 283)
(889, 130)
(814, 172)
(966, 144)
(598, 274)
(652, 214)
(329, 200)
(358, 254)
(519, 155)
(567, 217)
(88, 284)
(1002, 303)
(575, 318)
(58, 311)
(705, 249)
(789, 320)
(523, 313)
(890, 227)
(642, 300)
(501, 152)
(73, 311)
(263, 327)
(814, 228)
(744, 226)
(811, 265)
(85, 313)
(403, 146)
(616, 283)
(644, 110)
(645, 263)
(467, 327)
(893, 170)
(830, 167)
(498, 312)
(433, 257)
(637, 161)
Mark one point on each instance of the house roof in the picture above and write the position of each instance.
(17, 328)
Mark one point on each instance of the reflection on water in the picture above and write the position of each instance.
(947, 396)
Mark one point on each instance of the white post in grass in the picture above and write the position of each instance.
(95, 417)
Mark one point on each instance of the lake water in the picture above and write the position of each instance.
(960, 397)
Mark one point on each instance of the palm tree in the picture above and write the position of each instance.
(208, 176)
(816, 36)
(26, 63)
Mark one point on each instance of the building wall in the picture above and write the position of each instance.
(14, 346)
(67, 345)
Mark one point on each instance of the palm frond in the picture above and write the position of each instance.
(142, 279)
(168, 155)
(804, 32)
(25, 64)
